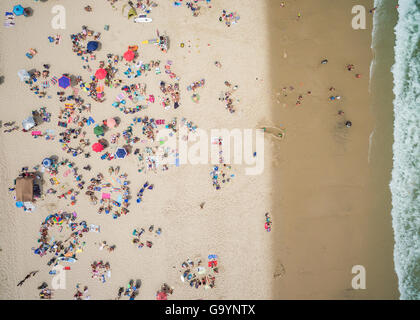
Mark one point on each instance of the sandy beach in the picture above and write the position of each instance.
(324, 188)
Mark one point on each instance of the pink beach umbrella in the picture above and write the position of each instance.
(129, 55)
(111, 123)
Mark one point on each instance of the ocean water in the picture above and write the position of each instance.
(405, 182)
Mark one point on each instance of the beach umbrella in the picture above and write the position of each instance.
(101, 74)
(23, 75)
(18, 10)
(128, 11)
(97, 147)
(129, 55)
(121, 153)
(47, 162)
(64, 82)
(92, 45)
(28, 123)
(99, 130)
(161, 296)
(111, 123)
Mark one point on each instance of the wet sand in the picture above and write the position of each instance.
(332, 207)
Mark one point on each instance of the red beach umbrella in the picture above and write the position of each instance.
(129, 55)
(101, 74)
(97, 147)
(161, 296)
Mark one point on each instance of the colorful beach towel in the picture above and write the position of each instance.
(9, 19)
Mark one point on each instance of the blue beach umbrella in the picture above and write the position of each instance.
(121, 153)
(47, 162)
(18, 10)
(92, 45)
(64, 82)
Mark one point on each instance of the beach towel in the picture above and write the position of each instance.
(95, 228)
(106, 196)
(120, 97)
(9, 19)
(46, 84)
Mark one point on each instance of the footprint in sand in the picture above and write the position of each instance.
(280, 271)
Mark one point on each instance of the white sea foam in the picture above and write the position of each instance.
(405, 183)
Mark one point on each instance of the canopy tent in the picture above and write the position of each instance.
(101, 74)
(64, 82)
(18, 10)
(23, 75)
(28, 123)
(99, 130)
(25, 189)
(121, 153)
(129, 55)
(92, 45)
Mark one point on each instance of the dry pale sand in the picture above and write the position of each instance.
(315, 184)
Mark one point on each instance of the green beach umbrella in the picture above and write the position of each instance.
(99, 130)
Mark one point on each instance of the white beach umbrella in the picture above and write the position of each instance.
(28, 123)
